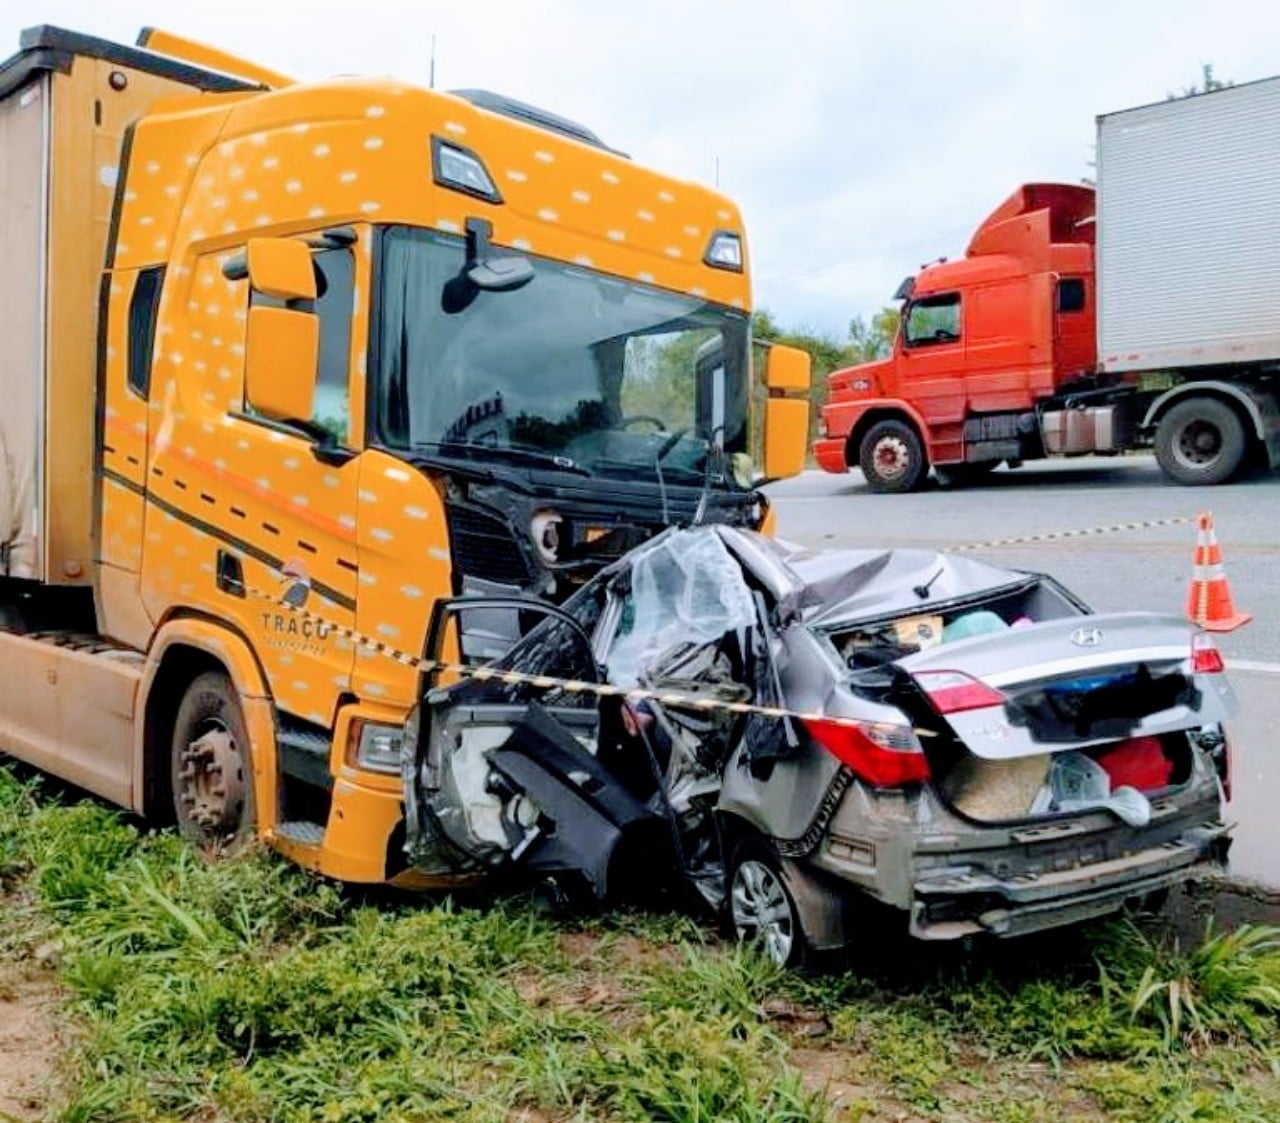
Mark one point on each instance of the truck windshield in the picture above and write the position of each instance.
(576, 369)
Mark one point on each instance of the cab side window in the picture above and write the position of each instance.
(932, 320)
(333, 307)
(335, 286)
(1071, 295)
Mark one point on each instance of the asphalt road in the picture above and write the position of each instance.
(1146, 568)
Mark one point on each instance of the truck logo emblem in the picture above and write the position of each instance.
(1087, 637)
(295, 573)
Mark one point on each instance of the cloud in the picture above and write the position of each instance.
(860, 139)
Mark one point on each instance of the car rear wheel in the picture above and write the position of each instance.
(892, 457)
(212, 778)
(761, 910)
(1201, 441)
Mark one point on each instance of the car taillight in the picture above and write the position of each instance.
(883, 754)
(953, 692)
(1206, 659)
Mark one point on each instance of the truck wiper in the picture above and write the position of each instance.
(503, 452)
(685, 475)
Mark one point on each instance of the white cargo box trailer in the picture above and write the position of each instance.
(1188, 265)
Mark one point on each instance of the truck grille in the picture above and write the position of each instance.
(484, 547)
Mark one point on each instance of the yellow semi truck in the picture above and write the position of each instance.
(350, 345)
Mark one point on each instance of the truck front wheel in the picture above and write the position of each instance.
(212, 779)
(892, 457)
(1200, 441)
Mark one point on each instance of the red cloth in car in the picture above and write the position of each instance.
(1137, 763)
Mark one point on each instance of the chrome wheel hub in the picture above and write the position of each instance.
(761, 911)
(892, 457)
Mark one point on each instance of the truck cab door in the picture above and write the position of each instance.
(252, 490)
(932, 367)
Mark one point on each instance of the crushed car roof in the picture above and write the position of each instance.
(830, 587)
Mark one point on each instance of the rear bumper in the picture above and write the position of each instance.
(829, 453)
(953, 903)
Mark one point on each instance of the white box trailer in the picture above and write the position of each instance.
(1188, 260)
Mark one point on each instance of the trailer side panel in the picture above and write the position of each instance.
(1188, 233)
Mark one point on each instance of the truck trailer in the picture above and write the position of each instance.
(1142, 315)
(284, 364)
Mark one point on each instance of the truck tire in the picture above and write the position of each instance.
(210, 765)
(892, 457)
(1201, 441)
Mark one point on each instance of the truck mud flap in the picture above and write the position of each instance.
(589, 823)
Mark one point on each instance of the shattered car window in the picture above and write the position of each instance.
(685, 589)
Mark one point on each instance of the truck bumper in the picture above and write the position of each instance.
(829, 453)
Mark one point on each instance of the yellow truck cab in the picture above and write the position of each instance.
(348, 346)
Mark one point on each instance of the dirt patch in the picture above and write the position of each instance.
(30, 1042)
(826, 1071)
(618, 949)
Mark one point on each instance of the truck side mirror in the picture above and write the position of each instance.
(282, 345)
(786, 368)
(786, 419)
(281, 267)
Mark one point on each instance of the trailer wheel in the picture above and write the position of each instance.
(892, 457)
(212, 777)
(1201, 441)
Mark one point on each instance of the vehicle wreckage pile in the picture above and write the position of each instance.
(966, 744)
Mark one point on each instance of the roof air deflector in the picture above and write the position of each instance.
(532, 115)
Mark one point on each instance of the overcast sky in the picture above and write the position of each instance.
(861, 139)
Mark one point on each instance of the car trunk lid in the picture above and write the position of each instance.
(1070, 684)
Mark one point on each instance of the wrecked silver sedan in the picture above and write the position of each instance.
(788, 736)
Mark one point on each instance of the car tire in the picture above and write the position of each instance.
(1201, 442)
(760, 909)
(210, 765)
(892, 457)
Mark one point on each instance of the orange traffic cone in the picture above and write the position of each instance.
(1209, 598)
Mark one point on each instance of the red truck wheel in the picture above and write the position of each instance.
(892, 457)
(1201, 441)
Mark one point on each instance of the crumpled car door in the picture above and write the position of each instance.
(503, 773)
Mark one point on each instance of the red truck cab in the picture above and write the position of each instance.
(983, 341)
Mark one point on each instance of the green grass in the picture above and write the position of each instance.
(244, 989)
